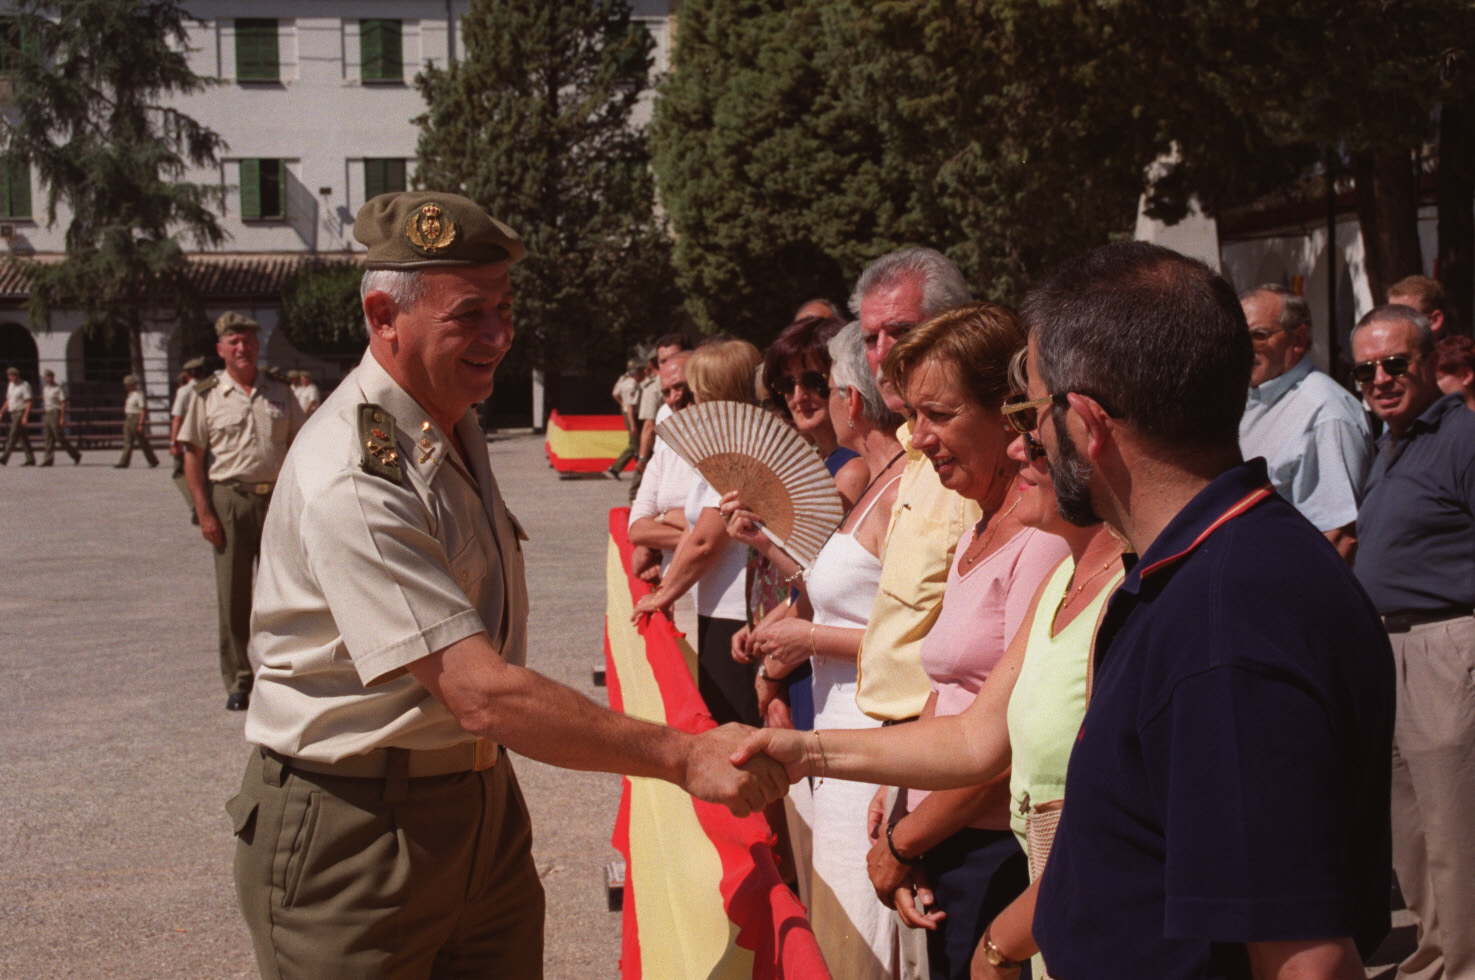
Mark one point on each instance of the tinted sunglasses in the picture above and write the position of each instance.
(1023, 414)
(1394, 366)
(812, 380)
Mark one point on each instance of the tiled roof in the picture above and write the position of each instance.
(230, 276)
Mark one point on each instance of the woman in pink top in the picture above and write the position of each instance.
(948, 861)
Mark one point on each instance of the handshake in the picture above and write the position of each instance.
(745, 769)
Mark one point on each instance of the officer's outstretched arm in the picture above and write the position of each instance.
(547, 721)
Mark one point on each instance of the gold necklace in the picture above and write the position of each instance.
(1072, 589)
(971, 557)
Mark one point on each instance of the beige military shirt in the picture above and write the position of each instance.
(361, 575)
(247, 434)
(133, 404)
(18, 396)
(53, 397)
(182, 398)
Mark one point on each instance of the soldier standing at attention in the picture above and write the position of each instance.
(54, 405)
(388, 638)
(18, 403)
(191, 372)
(135, 425)
(245, 420)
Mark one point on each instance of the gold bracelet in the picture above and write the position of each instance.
(812, 651)
(824, 764)
(796, 577)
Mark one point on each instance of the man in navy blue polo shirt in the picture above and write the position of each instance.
(1227, 799)
(1417, 561)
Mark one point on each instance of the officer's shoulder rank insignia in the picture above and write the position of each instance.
(376, 441)
(203, 386)
(430, 229)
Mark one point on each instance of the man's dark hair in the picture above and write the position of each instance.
(678, 340)
(1157, 338)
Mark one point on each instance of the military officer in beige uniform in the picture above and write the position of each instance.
(381, 830)
(245, 420)
(191, 373)
(54, 419)
(135, 425)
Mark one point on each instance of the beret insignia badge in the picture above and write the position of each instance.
(430, 230)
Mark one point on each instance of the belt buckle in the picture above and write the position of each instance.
(261, 489)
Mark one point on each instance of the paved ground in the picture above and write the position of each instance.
(118, 756)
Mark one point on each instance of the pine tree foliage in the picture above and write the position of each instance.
(535, 124)
(93, 81)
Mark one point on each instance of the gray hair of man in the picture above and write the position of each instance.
(1294, 311)
(404, 286)
(848, 369)
(1389, 312)
(943, 287)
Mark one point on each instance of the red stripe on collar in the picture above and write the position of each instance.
(1250, 500)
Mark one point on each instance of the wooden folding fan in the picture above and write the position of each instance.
(779, 476)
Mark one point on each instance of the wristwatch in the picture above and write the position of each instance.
(996, 958)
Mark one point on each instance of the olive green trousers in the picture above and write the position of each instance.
(387, 878)
(242, 514)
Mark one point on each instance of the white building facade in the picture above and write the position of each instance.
(316, 101)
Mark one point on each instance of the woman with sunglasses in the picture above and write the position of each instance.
(796, 369)
(1026, 713)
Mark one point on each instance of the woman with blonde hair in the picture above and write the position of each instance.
(706, 558)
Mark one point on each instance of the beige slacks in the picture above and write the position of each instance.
(1433, 796)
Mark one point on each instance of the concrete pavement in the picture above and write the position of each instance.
(115, 851)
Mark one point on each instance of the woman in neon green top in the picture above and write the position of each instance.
(1046, 667)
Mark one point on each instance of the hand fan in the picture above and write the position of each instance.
(780, 477)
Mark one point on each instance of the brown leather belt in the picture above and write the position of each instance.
(466, 757)
(1402, 622)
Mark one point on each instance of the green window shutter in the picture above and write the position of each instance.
(251, 189)
(382, 176)
(274, 189)
(256, 50)
(18, 193)
(381, 51)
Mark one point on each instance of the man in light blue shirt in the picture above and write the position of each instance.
(1311, 431)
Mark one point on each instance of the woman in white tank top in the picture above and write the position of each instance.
(856, 933)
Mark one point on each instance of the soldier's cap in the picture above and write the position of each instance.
(233, 322)
(129, 379)
(634, 364)
(421, 229)
(193, 364)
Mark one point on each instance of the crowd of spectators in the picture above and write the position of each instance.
(1127, 545)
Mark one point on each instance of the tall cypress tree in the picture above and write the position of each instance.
(535, 124)
(92, 84)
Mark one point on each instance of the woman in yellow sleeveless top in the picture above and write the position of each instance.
(1028, 711)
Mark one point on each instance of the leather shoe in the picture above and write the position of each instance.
(238, 701)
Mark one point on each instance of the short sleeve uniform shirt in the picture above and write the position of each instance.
(133, 404)
(53, 397)
(18, 395)
(650, 399)
(247, 433)
(1230, 782)
(182, 398)
(362, 575)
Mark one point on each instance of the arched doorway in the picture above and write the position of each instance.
(18, 349)
(105, 359)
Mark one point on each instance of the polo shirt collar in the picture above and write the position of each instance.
(422, 443)
(1227, 496)
(1275, 389)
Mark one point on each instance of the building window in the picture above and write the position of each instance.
(383, 175)
(256, 51)
(381, 50)
(15, 187)
(263, 189)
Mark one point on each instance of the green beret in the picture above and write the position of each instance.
(193, 364)
(417, 229)
(233, 322)
(129, 379)
(12, 370)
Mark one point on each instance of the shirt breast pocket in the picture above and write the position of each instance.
(915, 566)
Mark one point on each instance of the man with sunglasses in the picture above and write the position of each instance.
(1227, 796)
(1310, 430)
(1416, 558)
